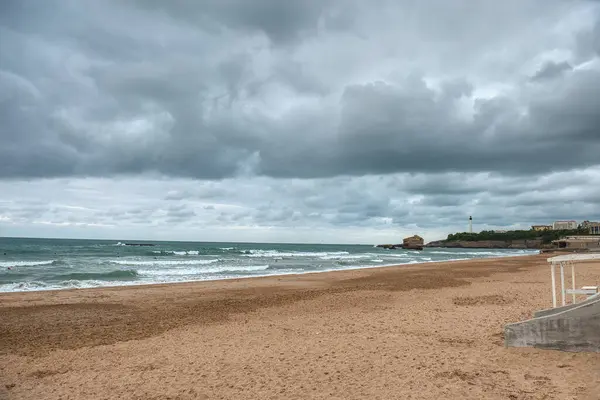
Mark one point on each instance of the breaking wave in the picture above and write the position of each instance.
(99, 276)
(199, 271)
(163, 262)
(27, 263)
(276, 253)
(178, 253)
(82, 264)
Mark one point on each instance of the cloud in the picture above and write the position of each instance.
(321, 115)
(280, 21)
(343, 209)
(295, 89)
(551, 70)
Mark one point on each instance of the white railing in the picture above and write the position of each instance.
(566, 261)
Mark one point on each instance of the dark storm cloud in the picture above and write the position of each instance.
(281, 21)
(551, 70)
(307, 89)
(387, 129)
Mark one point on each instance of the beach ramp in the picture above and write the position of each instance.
(571, 327)
(576, 328)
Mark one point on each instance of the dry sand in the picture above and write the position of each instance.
(430, 331)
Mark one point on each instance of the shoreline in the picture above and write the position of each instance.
(424, 331)
(136, 284)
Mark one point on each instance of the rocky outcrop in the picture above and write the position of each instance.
(491, 244)
(414, 242)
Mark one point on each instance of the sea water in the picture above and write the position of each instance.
(43, 264)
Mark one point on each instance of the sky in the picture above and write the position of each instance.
(320, 121)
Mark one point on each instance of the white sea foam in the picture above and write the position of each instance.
(70, 284)
(200, 271)
(160, 263)
(24, 263)
(178, 253)
(346, 257)
(398, 255)
(276, 253)
(32, 285)
(189, 265)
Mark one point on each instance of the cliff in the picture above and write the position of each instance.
(491, 244)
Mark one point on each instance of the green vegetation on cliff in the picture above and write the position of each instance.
(546, 236)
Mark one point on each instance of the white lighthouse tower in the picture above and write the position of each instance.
(470, 224)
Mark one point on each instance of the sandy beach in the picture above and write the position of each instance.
(426, 331)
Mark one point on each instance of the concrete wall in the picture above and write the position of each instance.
(582, 244)
(574, 328)
(550, 311)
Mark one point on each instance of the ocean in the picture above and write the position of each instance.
(48, 264)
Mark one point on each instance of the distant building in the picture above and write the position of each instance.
(592, 227)
(564, 225)
(578, 242)
(541, 227)
(499, 230)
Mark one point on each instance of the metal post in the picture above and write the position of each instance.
(562, 283)
(573, 279)
(553, 272)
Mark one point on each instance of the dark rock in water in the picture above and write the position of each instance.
(140, 244)
(389, 246)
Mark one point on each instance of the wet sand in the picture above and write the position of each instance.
(425, 331)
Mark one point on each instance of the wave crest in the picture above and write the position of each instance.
(163, 262)
(19, 263)
(200, 271)
(124, 274)
(276, 253)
